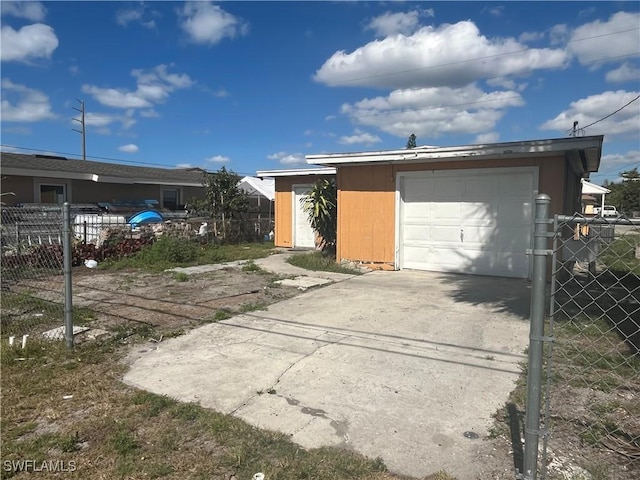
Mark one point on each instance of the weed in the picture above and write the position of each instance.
(180, 276)
(123, 441)
(252, 307)
(319, 261)
(222, 315)
(490, 357)
(250, 266)
(154, 404)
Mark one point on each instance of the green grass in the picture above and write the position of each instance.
(168, 252)
(318, 261)
(250, 266)
(620, 255)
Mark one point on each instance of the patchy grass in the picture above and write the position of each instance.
(168, 252)
(620, 255)
(222, 315)
(592, 377)
(252, 307)
(111, 430)
(24, 313)
(318, 261)
(180, 276)
(250, 266)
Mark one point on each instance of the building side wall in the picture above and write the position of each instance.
(21, 187)
(83, 191)
(283, 235)
(366, 202)
(366, 214)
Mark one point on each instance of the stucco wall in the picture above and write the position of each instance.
(366, 201)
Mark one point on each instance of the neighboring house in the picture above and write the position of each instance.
(261, 192)
(50, 179)
(465, 209)
(592, 197)
(292, 227)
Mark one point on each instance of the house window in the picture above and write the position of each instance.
(52, 194)
(170, 198)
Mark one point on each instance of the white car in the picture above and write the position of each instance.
(608, 211)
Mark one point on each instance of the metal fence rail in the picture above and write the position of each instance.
(590, 384)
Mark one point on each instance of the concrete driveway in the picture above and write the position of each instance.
(400, 365)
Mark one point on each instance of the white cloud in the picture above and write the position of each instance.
(360, 137)
(184, 165)
(588, 110)
(494, 11)
(129, 148)
(400, 22)
(615, 163)
(30, 105)
(139, 15)
(209, 24)
(490, 137)
(30, 42)
(624, 73)
(153, 86)
(102, 120)
(112, 97)
(596, 40)
(450, 55)
(33, 11)
(527, 37)
(431, 112)
(288, 158)
(218, 159)
(74, 69)
(221, 93)
(149, 113)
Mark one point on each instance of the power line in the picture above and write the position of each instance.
(82, 132)
(611, 114)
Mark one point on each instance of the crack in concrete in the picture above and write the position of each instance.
(286, 370)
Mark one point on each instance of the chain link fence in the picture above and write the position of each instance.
(32, 267)
(588, 373)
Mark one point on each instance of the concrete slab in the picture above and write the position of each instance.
(303, 283)
(277, 263)
(58, 332)
(392, 364)
(207, 268)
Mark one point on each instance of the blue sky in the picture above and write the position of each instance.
(258, 85)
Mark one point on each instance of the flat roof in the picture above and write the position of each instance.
(589, 149)
(294, 172)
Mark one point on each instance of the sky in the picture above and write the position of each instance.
(259, 85)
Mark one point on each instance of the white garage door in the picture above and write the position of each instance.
(467, 221)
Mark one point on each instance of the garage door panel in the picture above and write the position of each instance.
(445, 188)
(515, 184)
(467, 221)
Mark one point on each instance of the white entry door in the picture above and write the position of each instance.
(467, 221)
(303, 235)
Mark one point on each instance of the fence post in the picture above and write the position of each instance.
(68, 297)
(536, 337)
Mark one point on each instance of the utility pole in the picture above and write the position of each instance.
(81, 132)
(575, 128)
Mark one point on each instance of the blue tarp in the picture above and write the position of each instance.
(147, 216)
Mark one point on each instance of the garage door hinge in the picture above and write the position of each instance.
(528, 251)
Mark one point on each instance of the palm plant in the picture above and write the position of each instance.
(321, 207)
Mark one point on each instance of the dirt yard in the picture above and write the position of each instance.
(168, 303)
